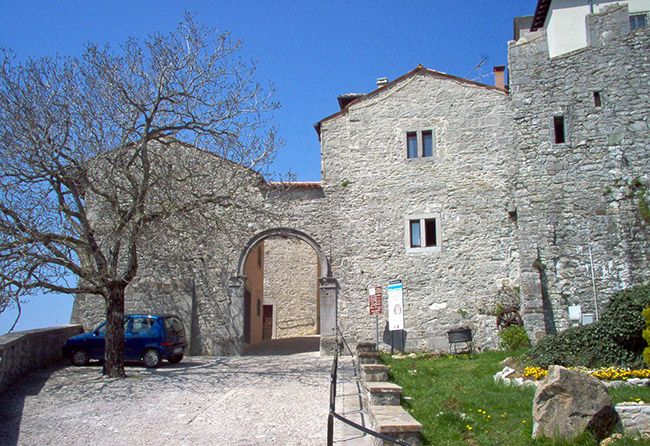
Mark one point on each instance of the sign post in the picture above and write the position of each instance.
(395, 309)
(375, 307)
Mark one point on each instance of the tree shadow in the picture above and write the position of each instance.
(12, 401)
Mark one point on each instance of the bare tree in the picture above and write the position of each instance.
(95, 150)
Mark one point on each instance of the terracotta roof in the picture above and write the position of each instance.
(540, 14)
(420, 68)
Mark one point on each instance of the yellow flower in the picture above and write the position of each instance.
(469, 428)
(523, 421)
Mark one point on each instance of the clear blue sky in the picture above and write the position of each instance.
(312, 51)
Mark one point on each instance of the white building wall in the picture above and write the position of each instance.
(565, 22)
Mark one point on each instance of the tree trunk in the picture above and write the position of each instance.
(114, 352)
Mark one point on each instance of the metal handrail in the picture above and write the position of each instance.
(332, 412)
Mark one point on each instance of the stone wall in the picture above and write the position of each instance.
(374, 189)
(24, 352)
(291, 286)
(577, 201)
(521, 220)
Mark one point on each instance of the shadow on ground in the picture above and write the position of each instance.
(12, 402)
(289, 346)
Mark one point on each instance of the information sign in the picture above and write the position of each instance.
(374, 300)
(395, 306)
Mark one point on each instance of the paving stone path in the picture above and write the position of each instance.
(266, 399)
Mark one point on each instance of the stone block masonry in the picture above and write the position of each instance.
(577, 200)
(24, 352)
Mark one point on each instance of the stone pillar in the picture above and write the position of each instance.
(328, 324)
(231, 343)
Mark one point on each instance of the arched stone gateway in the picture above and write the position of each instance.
(326, 283)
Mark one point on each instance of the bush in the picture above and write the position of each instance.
(514, 338)
(616, 340)
(646, 335)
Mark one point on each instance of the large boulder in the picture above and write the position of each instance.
(567, 403)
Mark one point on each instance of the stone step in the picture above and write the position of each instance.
(382, 393)
(395, 422)
(369, 357)
(374, 372)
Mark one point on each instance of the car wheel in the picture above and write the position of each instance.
(175, 359)
(151, 358)
(79, 358)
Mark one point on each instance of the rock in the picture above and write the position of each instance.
(568, 402)
(611, 440)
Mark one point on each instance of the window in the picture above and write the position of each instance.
(419, 144)
(427, 143)
(412, 144)
(638, 21)
(598, 102)
(423, 233)
(558, 128)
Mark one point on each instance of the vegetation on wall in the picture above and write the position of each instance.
(616, 340)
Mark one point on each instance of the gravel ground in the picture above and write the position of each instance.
(267, 399)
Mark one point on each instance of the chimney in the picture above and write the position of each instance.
(499, 77)
(381, 81)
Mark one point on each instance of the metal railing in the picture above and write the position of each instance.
(332, 413)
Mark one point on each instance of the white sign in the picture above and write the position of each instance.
(395, 306)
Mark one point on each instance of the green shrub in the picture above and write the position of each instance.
(514, 338)
(616, 340)
(646, 335)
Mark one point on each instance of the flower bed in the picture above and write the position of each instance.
(605, 373)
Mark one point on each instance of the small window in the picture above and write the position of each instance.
(420, 144)
(412, 144)
(423, 233)
(427, 143)
(558, 127)
(598, 102)
(415, 233)
(259, 308)
(259, 256)
(638, 21)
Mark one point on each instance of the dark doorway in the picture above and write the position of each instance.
(267, 327)
(247, 316)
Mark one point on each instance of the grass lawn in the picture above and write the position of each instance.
(458, 402)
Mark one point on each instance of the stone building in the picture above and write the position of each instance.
(476, 197)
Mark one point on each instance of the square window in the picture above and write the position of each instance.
(423, 233)
(638, 21)
(427, 143)
(412, 144)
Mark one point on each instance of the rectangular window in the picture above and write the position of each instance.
(430, 232)
(597, 100)
(427, 143)
(415, 233)
(412, 144)
(558, 128)
(638, 21)
(423, 233)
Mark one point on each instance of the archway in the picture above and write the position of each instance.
(327, 286)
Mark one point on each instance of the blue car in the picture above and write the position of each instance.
(146, 337)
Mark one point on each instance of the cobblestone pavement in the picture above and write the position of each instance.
(269, 399)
